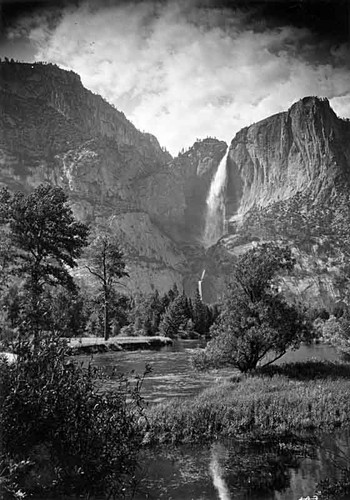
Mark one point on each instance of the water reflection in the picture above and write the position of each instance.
(228, 470)
(217, 472)
(313, 351)
(231, 470)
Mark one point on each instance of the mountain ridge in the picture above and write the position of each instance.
(287, 180)
(112, 173)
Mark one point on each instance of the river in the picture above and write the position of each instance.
(172, 374)
(226, 470)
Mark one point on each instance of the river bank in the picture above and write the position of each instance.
(311, 396)
(278, 430)
(93, 345)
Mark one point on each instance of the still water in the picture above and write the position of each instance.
(226, 470)
(230, 471)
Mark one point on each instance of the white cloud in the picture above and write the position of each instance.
(181, 71)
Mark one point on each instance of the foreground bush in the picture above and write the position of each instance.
(59, 432)
(262, 406)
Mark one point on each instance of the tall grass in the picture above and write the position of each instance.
(276, 402)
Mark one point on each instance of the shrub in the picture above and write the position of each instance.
(70, 435)
(330, 330)
(335, 331)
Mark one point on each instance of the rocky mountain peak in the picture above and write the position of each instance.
(18, 76)
(311, 105)
(289, 180)
(55, 130)
(305, 148)
(44, 88)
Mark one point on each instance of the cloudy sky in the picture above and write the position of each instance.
(189, 69)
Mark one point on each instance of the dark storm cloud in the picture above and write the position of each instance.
(188, 69)
(327, 17)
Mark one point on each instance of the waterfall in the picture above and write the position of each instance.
(216, 473)
(200, 285)
(215, 216)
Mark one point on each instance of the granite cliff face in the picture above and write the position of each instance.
(54, 130)
(289, 181)
(175, 196)
(304, 149)
(69, 113)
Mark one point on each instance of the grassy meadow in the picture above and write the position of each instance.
(275, 402)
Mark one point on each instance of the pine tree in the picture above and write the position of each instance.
(200, 315)
(45, 240)
(173, 293)
(155, 310)
(106, 263)
(175, 316)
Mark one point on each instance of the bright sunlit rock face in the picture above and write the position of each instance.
(215, 218)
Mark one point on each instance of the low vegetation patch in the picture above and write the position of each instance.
(310, 370)
(272, 403)
(60, 432)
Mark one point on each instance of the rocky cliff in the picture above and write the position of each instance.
(54, 130)
(304, 149)
(289, 181)
(176, 195)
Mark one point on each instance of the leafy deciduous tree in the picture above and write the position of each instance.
(255, 320)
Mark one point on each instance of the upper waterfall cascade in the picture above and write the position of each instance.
(215, 216)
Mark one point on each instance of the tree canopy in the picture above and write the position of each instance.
(44, 234)
(41, 240)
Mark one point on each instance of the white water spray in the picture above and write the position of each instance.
(216, 473)
(215, 217)
(200, 284)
